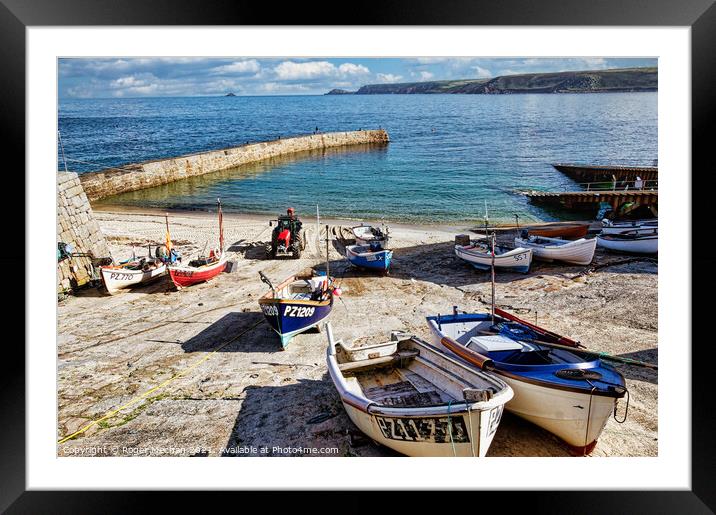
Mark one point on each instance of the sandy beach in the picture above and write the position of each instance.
(221, 385)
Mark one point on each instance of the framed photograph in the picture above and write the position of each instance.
(334, 250)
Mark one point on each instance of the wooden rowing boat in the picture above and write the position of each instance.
(369, 257)
(410, 396)
(480, 256)
(567, 230)
(203, 268)
(631, 242)
(578, 252)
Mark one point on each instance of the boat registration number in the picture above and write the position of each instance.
(495, 416)
(183, 273)
(118, 276)
(270, 310)
(519, 257)
(428, 429)
(299, 311)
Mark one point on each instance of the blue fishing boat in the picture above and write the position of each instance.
(570, 393)
(299, 303)
(370, 257)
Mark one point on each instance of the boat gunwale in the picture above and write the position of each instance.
(489, 365)
(372, 407)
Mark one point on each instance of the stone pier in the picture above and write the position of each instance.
(105, 183)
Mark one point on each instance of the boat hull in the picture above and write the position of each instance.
(560, 231)
(379, 260)
(577, 252)
(364, 235)
(633, 227)
(117, 279)
(290, 317)
(576, 414)
(439, 428)
(640, 245)
(428, 435)
(183, 276)
(516, 260)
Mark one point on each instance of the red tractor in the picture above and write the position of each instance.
(287, 238)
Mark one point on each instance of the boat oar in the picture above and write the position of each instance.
(601, 355)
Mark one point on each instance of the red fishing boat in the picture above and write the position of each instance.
(202, 268)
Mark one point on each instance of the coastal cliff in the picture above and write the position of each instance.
(596, 81)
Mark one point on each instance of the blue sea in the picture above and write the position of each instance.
(449, 155)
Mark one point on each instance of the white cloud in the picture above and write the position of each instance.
(250, 66)
(425, 75)
(353, 69)
(388, 77)
(482, 73)
(290, 70)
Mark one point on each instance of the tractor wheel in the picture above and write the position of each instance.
(271, 251)
(296, 254)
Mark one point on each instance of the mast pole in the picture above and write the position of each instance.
(493, 277)
(221, 227)
(328, 274)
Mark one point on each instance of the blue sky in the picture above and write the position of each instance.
(198, 76)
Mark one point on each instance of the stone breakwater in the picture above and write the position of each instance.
(105, 183)
(77, 226)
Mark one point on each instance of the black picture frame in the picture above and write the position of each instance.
(700, 15)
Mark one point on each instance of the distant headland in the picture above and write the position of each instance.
(594, 81)
(230, 95)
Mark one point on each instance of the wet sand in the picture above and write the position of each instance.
(237, 389)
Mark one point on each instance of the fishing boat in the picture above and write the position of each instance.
(367, 234)
(132, 272)
(410, 396)
(560, 230)
(578, 252)
(555, 386)
(370, 257)
(204, 267)
(299, 303)
(631, 242)
(480, 256)
(632, 226)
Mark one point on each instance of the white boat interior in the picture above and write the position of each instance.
(302, 289)
(476, 335)
(408, 377)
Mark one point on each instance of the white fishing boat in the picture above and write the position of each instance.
(578, 252)
(562, 391)
(367, 234)
(631, 242)
(131, 273)
(646, 226)
(410, 396)
(480, 256)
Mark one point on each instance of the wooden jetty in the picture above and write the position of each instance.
(586, 199)
(582, 173)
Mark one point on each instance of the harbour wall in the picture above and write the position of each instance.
(105, 183)
(77, 226)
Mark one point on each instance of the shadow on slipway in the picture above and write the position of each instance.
(309, 413)
(259, 339)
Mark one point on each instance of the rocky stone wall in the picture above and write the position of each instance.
(76, 225)
(105, 183)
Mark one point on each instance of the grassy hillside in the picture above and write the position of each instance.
(596, 81)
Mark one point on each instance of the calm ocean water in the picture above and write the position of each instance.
(449, 154)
